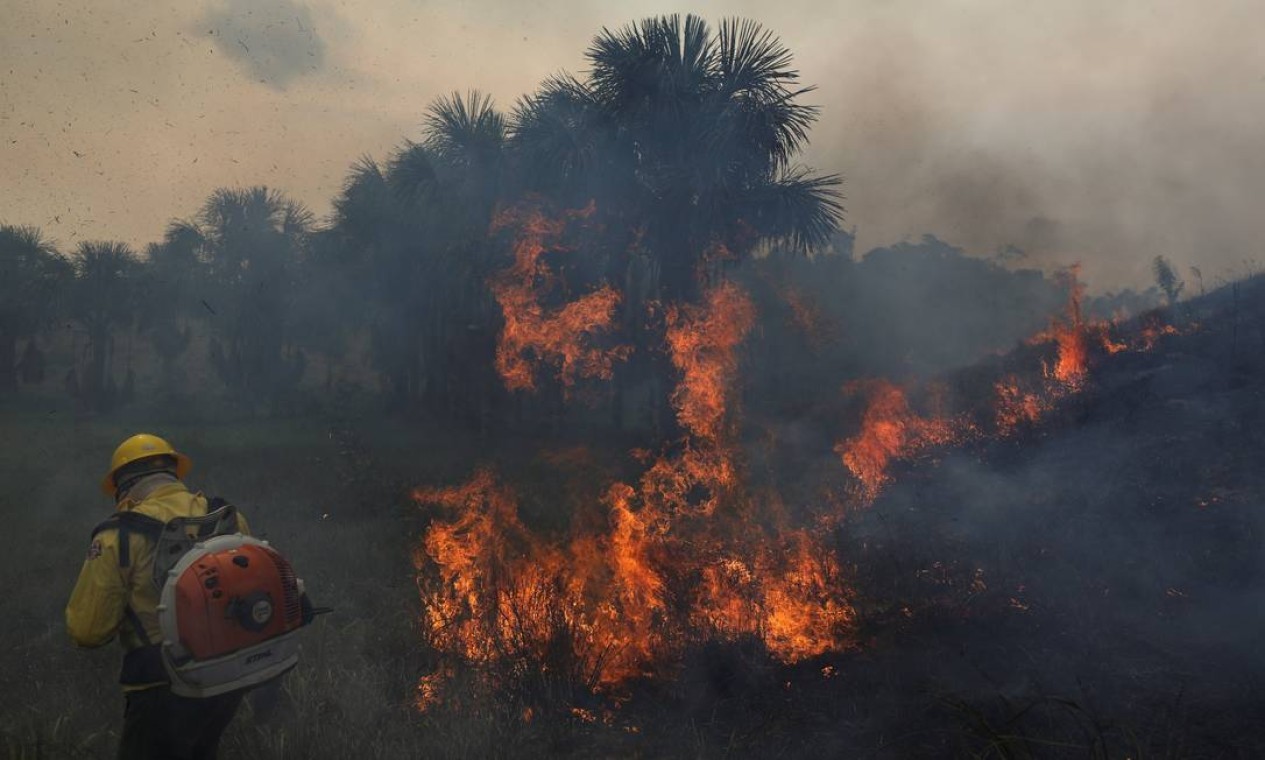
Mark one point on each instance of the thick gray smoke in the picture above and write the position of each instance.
(1074, 130)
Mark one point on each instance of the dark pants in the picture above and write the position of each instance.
(158, 725)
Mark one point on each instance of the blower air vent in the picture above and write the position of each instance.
(291, 605)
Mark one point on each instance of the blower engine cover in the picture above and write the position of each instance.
(229, 612)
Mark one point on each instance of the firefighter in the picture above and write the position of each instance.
(116, 596)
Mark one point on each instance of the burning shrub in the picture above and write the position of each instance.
(680, 558)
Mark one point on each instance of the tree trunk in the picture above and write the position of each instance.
(8, 362)
(95, 384)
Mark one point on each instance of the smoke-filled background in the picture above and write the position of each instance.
(1070, 130)
(859, 379)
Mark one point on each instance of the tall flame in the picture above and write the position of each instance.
(686, 552)
(677, 558)
(890, 430)
(564, 337)
(1073, 343)
(703, 342)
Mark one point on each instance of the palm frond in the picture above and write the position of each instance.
(250, 210)
(628, 64)
(32, 274)
(776, 127)
(411, 173)
(555, 133)
(297, 220)
(799, 210)
(757, 89)
(749, 58)
(23, 239)
(658, 65)
(102, 261)
(467, 131)
(183, 235)
(364, 201)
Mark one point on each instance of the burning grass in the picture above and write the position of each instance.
(689, 552)
(1112, 634)
(685, 555)
(891, 430)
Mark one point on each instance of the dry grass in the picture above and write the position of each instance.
(1132, 526)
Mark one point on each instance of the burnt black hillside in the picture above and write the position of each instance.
(1091, 588)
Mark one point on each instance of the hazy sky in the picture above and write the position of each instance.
(1102, 131)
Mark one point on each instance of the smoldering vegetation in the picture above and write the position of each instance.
(1121, 539)
(750, 492)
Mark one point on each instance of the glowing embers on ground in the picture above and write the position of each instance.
(1155, 328)
(1018, 406)
(566, 337)
(686, 554)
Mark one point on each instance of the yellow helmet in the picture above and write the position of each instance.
(138, 447)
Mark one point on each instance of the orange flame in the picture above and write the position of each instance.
(677, 558)
(1077, 338)
(1017, 408)
(1153, 329)
(563, 337)
(684, 553)
(808, 317)
(1073, 345)
(703, 342)
(890, 430)
(429, 688)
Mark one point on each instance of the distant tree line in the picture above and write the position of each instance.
(682, 137)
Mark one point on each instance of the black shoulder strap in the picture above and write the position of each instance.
(215, 503)
(110, 522)
(137, 625)
(125, 523)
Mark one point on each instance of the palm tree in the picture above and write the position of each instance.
(32, 279)
(169, 283)
(379, 226)
(251, 242)
(103, 297)
(690, 136)
(686, 137)
(466, 138)
(414, 230)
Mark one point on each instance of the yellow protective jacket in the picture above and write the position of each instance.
(111, 600)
